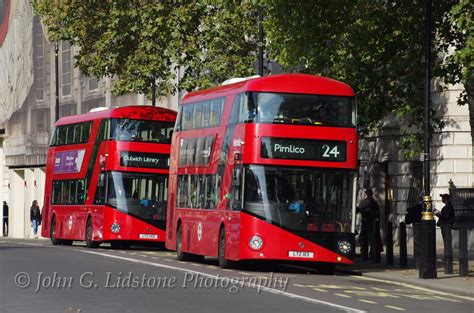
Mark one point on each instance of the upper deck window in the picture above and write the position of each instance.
(202, 114)
(141, 130)
(71, 134)
(300, 109)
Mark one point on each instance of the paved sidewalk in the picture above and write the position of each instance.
(452, 282)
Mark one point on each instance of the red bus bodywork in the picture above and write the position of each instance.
(98, 157)
(201, 227)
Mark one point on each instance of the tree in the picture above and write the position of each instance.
(457, 32)
(374, 46)
(138, 41)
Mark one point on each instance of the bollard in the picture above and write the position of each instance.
(389, 241)
(403, 245)
(416, 244)
(463, 258)
(377, 241)
(364, 243)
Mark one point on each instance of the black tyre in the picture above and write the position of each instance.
(52, 233)
(223, 262)
(89, 242)
(66, 242)
(182, 256)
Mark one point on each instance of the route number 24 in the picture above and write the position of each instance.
(330, 152)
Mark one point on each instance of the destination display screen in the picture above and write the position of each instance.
(140, 159)
(303, 149)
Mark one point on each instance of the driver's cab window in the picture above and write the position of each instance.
(247, 110)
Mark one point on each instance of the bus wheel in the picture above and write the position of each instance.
(223, 262)
(89, 242)
(66, 242)
(52, 233)
(182, 256)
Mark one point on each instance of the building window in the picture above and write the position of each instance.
(93, 83)
(67, 110)
(66, 68)
(38, 58)
(41, 120)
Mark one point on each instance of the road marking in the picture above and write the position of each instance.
(144, 255)
(154, 257)
(342, 295)
(379, 289)
(243, 273)
(195, 264)
(429, 291)
(320, 290)
(395, 308)
(267, 289)
(446, 299)
(367, 301)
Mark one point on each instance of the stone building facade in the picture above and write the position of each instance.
(397, 180)
(26, 132)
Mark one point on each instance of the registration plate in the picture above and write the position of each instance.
(300, 254)
(148, 236)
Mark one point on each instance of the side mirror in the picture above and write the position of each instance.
(101, 182)
(237, 173)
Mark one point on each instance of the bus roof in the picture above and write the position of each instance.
(283, 83)
(142, 112)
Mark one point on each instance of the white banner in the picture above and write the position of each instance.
(16, 58)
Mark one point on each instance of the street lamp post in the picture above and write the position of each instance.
(56, 70)
(427, 267)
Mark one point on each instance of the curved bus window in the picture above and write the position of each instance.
(140, 195)
(141, 130)
(301, 109)
(300, 199)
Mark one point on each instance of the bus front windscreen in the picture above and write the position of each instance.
(139, 195)
(301, 109)
(124, 129)
(300, 199)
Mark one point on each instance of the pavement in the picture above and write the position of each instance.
(409, 275)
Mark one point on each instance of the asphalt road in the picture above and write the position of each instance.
(38, 277)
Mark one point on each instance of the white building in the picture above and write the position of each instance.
(27, 108)
(385, 168)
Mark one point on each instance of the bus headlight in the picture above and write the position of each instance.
(344, 246)
(256, 242)
(115, 228)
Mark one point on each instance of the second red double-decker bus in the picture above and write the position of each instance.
(265, 169)
(107, 177)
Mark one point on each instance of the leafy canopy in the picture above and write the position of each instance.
(374, 46)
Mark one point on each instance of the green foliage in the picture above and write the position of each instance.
(377, 48)
(374, 46)
(136, 41)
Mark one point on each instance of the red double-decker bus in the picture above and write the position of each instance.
(265, 169)
(107, 177)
